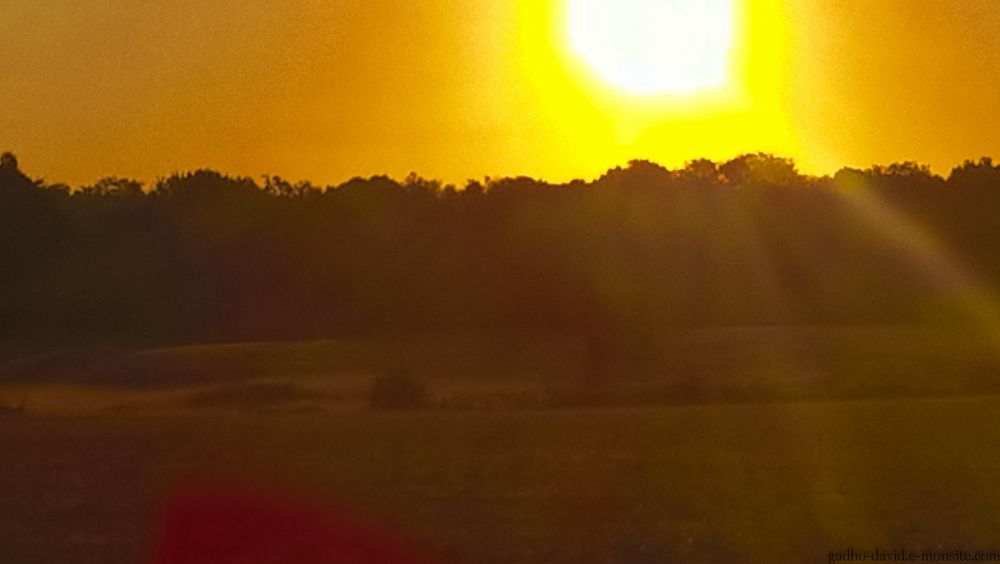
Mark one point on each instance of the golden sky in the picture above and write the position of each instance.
(456, 89)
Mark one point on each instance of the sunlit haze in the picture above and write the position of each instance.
(455, 89)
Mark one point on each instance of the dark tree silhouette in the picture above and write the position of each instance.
(205, 256)
(8, 161)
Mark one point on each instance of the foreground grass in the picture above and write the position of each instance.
(727, 483)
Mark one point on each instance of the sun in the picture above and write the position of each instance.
(649, 47)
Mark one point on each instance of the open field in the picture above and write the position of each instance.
(724, 483)
(730, 445)
(721, 365)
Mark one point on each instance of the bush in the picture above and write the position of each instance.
(397, 389)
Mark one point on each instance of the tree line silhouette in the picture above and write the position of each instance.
(202, 256)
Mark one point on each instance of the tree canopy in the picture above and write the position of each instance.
(205, 256)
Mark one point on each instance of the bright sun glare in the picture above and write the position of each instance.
(651, 47)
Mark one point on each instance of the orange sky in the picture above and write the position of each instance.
(453, 89)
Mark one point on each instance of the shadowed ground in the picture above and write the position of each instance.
(753, 483)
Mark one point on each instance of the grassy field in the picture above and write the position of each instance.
(720, 365)
(724, 483)
(730, 445)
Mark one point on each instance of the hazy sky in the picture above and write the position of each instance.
(453, 89)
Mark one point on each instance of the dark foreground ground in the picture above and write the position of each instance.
(785, 482)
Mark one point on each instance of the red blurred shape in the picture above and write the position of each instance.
(219, 525)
